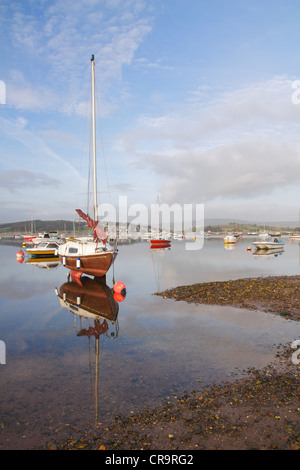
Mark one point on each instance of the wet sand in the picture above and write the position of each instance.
(259, 411)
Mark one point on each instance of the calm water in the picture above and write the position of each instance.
(162, 347)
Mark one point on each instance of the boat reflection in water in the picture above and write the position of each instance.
(267, 254)
(92, 300)
(49, 262)
(230, 246)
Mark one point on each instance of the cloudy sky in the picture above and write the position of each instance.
(199, 103)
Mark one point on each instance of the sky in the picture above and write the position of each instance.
(199, 103)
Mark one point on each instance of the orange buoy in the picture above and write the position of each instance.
(119, 297)
(20, 254)
(119, 287)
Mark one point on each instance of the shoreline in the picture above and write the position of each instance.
(279, 295)
(260, 411)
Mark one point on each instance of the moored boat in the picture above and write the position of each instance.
(43, 249)
(161, 242)
(90, 256)
(48, 236)
(230, 239)
(268, 245)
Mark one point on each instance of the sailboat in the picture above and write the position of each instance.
(92, 256)
(157, 240)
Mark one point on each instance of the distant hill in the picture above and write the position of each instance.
(61, 226)
(223, 221)
(40, 226)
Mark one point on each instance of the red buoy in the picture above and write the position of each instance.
(120, 288)
(119, 297)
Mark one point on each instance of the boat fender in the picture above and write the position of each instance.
(119, 297)
(64, 260)
(78, 263)
(78, 300)
(249, 248)
(120, 288)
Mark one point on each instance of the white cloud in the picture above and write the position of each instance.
(241, 144)
(17, 180)
(40, 152)
(59, 43)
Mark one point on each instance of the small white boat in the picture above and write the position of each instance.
(230, 239)
(48, 236)
(263, 235)
(268, 245)
(44, 249)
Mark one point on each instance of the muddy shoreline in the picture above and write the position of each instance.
(279, 295)
(259, 411)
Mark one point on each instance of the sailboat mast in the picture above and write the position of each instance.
(94, 139)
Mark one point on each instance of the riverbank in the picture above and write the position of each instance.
(279, 295)
(260, 411)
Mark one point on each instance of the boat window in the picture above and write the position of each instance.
(73, 250)
(52, 245)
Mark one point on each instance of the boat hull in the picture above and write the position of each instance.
(95, 265)
(41, 253)
(160, 242)
(230, 240)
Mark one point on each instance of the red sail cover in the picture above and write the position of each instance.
(98, 231)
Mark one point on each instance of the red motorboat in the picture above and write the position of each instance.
(160, 243)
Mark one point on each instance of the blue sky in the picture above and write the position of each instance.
(195, 99)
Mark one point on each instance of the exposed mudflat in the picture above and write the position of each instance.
(276, 294)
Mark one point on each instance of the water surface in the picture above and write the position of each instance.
(52, 378)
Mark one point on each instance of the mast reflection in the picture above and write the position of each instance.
(92, 301)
